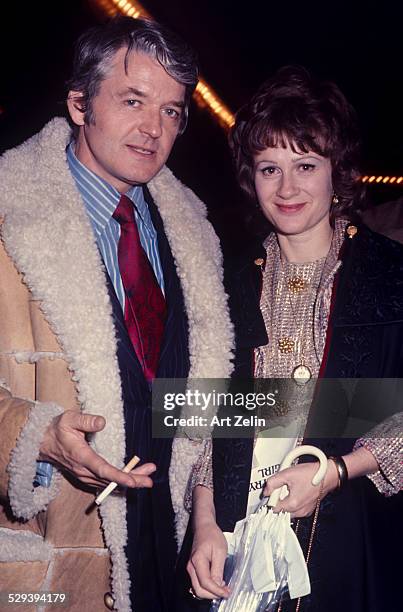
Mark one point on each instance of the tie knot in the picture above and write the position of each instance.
(124, 212)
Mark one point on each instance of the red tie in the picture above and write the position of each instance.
(145, 307)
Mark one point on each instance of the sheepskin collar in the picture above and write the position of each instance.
(48, 235)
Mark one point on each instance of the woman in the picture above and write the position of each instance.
(331, 306)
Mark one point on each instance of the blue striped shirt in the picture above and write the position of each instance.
(101, 200)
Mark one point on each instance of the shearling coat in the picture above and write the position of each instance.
(58, 352)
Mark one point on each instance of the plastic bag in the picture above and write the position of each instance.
(257, 563)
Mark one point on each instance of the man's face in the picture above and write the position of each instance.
(136, 118)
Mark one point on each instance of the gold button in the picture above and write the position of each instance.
(109, 601)
(351, 231)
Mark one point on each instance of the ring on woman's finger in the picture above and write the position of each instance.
(193, 594)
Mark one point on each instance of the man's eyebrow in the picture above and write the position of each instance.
(178, 103)
(141, 94)
(132, 90)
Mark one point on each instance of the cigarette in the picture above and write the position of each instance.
(112, 485)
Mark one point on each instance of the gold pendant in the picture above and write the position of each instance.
(296, 285)
(286, 345)
(301, 374)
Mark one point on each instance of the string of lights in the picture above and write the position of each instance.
(204, 95)
(382, 179)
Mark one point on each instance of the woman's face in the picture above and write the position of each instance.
(294, 190)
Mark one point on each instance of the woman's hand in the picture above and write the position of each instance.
(209, 550)
(206, 563)
(303, 495)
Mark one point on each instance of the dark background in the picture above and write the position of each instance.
(358, 44)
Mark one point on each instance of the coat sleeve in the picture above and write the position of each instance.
(22, 426)
(385, 442)
(13, 416)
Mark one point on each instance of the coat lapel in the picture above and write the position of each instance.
(174, 347)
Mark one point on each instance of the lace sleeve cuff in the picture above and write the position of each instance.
(202, 473)
(388, 451)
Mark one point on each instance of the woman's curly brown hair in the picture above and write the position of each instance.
(292, 107)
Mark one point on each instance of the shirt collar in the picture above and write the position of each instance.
(100, 198)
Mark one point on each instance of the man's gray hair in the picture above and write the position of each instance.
(96, 48)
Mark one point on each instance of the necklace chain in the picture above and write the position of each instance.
(270, 361)
(310, 542)
(307, 276)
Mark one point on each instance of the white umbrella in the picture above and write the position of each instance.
(266, 555)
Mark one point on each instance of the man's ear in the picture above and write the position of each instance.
(75, 106)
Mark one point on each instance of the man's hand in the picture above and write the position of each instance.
(64, 445)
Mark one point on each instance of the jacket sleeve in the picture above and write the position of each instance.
(202, 473)
(22, 426)
(385, 442)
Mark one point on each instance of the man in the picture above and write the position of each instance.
(82, 338)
